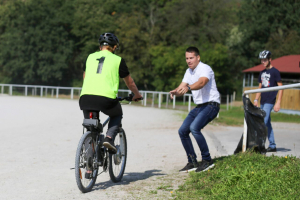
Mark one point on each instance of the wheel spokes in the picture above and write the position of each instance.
(84, 163)
(118, 159)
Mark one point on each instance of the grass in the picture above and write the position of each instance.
(235, 117)
(231, 117)
(165, 187)
(245, 176)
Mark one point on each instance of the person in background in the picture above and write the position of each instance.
(269, 77)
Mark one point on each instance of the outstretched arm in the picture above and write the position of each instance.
(175, 91)
(202, 81)
(132, 86)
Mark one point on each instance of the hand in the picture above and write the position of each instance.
(172, 93)
(182, 90)
(137, 97)
(255, 103)
(277, 107)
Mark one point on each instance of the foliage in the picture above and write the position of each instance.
(263, 20)
(245, 176)
(36, 47)
(47, 42)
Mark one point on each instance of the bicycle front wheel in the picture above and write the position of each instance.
(117, 162)
(86, 163)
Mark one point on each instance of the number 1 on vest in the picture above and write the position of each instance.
(100, 65)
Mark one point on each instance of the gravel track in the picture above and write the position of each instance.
(39, 138)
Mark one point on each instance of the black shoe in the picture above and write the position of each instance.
(109, 144)
(205, 165)
(188, 168)
(88, 175)
(269, 149)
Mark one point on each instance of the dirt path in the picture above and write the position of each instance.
(39, 137)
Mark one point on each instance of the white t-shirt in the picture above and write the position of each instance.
(209, 92)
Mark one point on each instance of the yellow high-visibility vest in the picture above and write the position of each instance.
(102, 74)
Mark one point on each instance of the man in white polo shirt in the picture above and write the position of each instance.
(200, 79)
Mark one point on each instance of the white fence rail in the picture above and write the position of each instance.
(53, 91)
(263, 90)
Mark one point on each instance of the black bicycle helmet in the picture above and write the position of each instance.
(264, 54)
(109, 39)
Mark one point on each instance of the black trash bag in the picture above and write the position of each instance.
(256, 128)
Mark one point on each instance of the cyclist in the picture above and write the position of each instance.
(101, 84)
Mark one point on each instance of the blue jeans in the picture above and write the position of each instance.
(196, 120)
(267, 107)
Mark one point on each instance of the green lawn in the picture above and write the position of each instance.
(245, 176)
(235, 117)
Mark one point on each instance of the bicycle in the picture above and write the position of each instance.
(91, 154)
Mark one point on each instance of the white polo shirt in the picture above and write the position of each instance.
(209, 92)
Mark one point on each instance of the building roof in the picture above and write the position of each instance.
(285, 64)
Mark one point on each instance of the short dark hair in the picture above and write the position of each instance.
(193, 50)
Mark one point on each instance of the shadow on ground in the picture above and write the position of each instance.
(283, 150)
(128, 178)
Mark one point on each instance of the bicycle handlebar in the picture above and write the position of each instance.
(129, 98)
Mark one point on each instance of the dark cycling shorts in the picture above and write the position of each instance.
(108, 106)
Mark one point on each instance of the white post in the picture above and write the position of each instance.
(2, 89)
(227, 100)
(167, 101)
(41, 91)
(152, 100)
(26, 90)
(234, 96)
(220, 105)
(57, 91)
(190, 99)
(10, 90)
(145, 99)
(245, 134)
(159, 100)
(52, 92)
(231, 100)
(72, 93)
(174, 99)
(46, 92)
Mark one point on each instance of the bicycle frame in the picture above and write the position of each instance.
(91, 153)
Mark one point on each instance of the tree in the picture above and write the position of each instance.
(36, 46)
(260, 21)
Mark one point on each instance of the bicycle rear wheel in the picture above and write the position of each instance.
(86, 163)
(117, 162)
